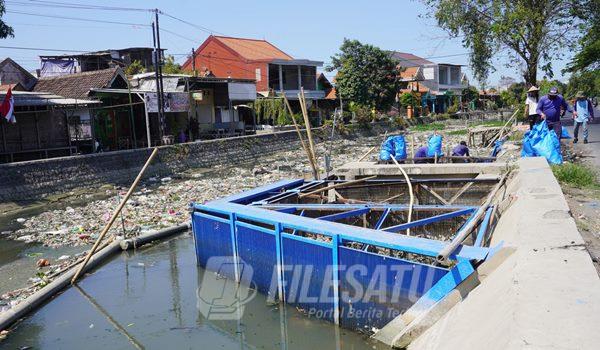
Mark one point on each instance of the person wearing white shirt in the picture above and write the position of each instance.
(531, 103)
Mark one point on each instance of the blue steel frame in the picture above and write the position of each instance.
(252, 206)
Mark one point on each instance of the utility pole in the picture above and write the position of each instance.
(159, 80)
(156, 77)
(194, 73)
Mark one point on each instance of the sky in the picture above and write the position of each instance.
(308, 29)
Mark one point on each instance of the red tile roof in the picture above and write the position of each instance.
(253, 49)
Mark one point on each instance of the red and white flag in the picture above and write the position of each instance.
(7, 107)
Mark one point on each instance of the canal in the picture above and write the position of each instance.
(152, 299)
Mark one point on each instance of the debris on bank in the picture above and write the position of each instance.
(164, 202)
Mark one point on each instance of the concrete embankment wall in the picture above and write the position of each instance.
(33, 179)
(545, 295)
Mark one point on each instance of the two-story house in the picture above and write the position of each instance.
(438, 83)
(273, 70)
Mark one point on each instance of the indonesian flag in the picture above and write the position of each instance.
(7, 107)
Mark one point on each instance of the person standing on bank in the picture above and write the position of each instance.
(550, 108)
(531, 103)
(582, 114)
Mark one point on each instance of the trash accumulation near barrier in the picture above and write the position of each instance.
(339, 250)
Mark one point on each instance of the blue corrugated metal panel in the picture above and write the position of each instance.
(212, 239)
(375, 289)
(409, 244)
(443, 286)
(258, 250)
(308, 275)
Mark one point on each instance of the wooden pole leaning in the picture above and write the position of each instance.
(114, 216)
(311, 161)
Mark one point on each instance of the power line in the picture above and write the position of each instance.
(207, 30)
(40, 49)
(78, 19)
(59, 4)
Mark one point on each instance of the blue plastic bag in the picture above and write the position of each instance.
(542, 142)
(399, 147)
(393, 146)
(565, 133)
(434, 146)
(527, 150)
(497, 147)
(387, 149)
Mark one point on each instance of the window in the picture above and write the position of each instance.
(258, 75)
(443, 75)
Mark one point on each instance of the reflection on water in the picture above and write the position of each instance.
(149, 300)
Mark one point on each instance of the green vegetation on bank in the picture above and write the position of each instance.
(576, 175)
(428, 127)
(490, 123)
(458, 132)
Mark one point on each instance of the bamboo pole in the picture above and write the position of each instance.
(410, 192)
(114, 216)
(367, 153)
(307, 125)
(304, 147)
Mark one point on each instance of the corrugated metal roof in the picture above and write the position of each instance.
(409, 60)
(23, 98)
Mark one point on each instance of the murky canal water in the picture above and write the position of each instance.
(150, 299)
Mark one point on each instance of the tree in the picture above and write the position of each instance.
(366, 75)
(408, 99)
(532, 33)
(5, 29)
(170, 67)
(586, 81)
(470, 94)
(587, 57)
(134, 68)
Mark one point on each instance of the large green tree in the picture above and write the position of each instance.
(366, 75)
(5, 29)
(587, 57)
(532, 33)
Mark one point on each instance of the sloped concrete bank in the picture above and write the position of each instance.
(544, 295)
(33, 180)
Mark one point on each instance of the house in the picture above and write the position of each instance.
(42, 128)
(113, 126)
(14, 76)
(214, 107)
(440, 83)
(97, 60)
(273, 70)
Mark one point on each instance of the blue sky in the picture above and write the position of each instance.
(308, 29)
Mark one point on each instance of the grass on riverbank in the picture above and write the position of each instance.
(576, 175)
(458, 132)
(428, 127)
(490, 123)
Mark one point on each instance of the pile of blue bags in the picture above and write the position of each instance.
(542, 142)
(434, 146)
(393, 146)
